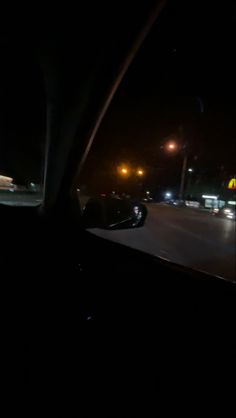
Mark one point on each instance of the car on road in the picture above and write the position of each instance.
(147, 199)
(225, 212)
(175, 202)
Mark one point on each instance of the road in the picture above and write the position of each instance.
(185, 236)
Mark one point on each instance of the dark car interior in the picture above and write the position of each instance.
(93, 327)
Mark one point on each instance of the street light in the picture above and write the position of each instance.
(140, 172)
(171, 146)
(190, 170)
(123, 170)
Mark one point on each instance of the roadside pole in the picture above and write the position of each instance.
(183, 174)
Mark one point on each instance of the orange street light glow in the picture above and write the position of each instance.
(171, 146)
(140, 172)
(123, 170)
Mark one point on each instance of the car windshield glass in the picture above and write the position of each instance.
(22, 125)
(168, 143)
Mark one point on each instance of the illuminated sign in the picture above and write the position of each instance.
(232, 184)
(207, 196)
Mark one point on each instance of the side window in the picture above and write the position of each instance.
(162, 167)
(22, 125)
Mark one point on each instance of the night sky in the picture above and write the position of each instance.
(22, 113)
(182, 78)
(181, 85)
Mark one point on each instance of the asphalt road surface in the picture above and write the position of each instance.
(190, 237)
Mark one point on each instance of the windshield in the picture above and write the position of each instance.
(22, 125)
(168, 141)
